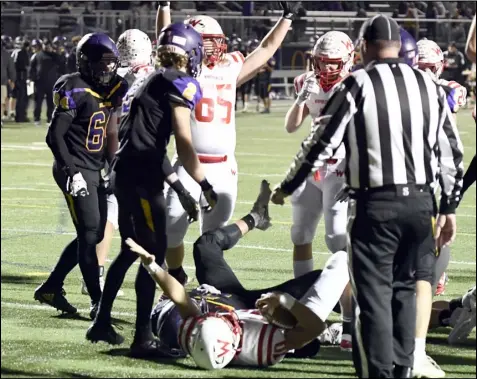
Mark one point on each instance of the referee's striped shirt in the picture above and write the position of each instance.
(397, 129)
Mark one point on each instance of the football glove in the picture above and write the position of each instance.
(190, 205)
(209, 195)
(343, 194)
(205, 289)
(76, 185)
(310, 86)
(290, 9)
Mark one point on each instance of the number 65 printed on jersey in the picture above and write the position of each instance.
(96, 131)
(211, 107)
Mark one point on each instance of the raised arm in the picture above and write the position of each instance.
(270, 43)
(470, 47)
(171, 287)
(163, 16)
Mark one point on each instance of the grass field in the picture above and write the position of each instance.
(36, 227)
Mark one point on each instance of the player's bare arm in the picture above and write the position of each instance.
(163, 16)
(270, 43)
(112, 138)
(307, 325)
(470, 47)
(171, 287)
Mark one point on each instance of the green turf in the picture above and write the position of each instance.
(37, 342)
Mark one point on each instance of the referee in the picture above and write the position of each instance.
(399, 133)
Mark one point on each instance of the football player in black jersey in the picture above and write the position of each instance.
(160, 105)
(78, 135)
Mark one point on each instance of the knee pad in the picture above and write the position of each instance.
(113, 211)
(302, 234)
(204, 240)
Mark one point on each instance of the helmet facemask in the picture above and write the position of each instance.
(433, 69)
(215, 47)
(104, 70)
(329, 71)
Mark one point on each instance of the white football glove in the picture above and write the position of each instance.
(76, 185)
(309, 86)
(208, 289)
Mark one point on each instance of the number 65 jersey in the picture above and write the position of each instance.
(213, 121)
(89, 112)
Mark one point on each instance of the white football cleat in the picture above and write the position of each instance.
(426, 367)
(466, 320)
(84, 290)
(332, 334)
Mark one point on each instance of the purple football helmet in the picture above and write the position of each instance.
(97, 58)
(184, 40)
(409, 51)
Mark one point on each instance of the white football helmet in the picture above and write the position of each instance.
(334, 48)
(215, 44)
(431, 58)
(212, 340)
(135, 49)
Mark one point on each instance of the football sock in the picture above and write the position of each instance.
(88, 263)
(347, 326)
(179, 274)
(145, 290)
(302, 267)
(420, 347)
(68, 260)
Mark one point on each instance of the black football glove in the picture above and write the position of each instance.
(209, 195)
(290, 9)
(190, 205)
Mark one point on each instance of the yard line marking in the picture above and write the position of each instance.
(253, 247)
(48, 308)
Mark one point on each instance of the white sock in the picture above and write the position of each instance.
(302, 267)
(420, 347)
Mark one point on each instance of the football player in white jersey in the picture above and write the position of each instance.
(260, 336)
(213, 123)
(135, 61)
(333, 58)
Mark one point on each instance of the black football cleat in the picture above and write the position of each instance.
(54, 298)
(260, 207)
(103, 332)
(93, 310)
(146, 349)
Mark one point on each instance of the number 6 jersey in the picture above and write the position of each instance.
(213, 121)
(89, 112)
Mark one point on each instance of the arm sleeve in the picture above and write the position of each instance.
(167, 167)
(450, 158)
(325, 137)
(60, 124)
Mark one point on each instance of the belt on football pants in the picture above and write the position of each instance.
(212, 158)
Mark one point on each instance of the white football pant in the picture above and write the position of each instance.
(223, 177)
(316, 198)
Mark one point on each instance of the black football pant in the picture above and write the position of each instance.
(142, 217)
(21, 106)
(211, 268)
(43, 90)
(389, 230)
(89, 215)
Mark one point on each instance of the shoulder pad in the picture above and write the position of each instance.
(68, 92)
(187, 86)
(237, 57)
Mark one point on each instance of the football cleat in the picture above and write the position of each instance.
(346, 343)
(466, 320)
(426, 367)
(332, 334)
(84, 289)
(93, 310)
(103, 332)
(260, 207)
(147, 349)
(54, 298)
(441, 285)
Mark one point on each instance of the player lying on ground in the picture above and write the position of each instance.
(77, 137)
(213, 123)
(458, 313)
(230, 324)
(332, 59)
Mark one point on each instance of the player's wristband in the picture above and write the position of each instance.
(205, 185)
(287, 301)
(152, 268)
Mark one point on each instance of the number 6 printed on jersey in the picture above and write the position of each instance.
(96, 131)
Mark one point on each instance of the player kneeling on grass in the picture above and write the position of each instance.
(242, 327)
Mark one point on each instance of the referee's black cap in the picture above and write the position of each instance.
(380, 28)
